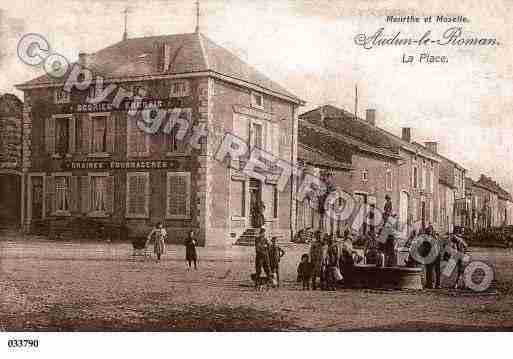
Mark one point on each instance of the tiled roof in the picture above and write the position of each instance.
(336, 143)
(317, 158)
(188, 53)
(491, 185)
(342, 121)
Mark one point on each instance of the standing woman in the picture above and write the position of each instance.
(190, 250)
(159, 235)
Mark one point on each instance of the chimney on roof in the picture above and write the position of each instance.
(323, 116)
(432, 146)
(125, 33)
(82, 59)
(406, 135)
(370, 116)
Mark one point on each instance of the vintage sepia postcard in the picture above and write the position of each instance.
(255, 166)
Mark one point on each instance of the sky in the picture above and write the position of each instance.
(308, 47)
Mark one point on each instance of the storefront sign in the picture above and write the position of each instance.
(8, 164)
(123, 165)
(134, 105)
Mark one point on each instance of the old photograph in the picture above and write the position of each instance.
(255, 166)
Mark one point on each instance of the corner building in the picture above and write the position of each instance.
(92, 168)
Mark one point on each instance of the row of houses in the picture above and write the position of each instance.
(426, 187)
(80, 166)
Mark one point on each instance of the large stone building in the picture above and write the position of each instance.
(11, 176)
(92, 163)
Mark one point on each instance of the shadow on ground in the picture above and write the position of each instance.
(183, 318)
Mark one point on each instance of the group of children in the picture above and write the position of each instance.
(329, 260)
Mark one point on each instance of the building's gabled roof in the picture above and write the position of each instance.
(336, 143)
(342, 121)
(187, 53)
(442, 157)
(489, 184)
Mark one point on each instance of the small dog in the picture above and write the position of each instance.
(261, 283)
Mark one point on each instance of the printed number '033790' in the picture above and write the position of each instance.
(23, 343)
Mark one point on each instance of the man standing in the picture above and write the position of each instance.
(262, 255)
(387, 210)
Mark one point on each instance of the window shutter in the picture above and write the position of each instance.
(75, 194)
(111, 133)
(50, 135)
(71, 136)
(50, 194)
(267, 142)
(109, 194)
(276, 139)
(84, 194)
(86, 134)
(131, 143)
(131, 189)
(178, 195)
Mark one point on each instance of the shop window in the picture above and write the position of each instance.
(62, 195)
(61, 96)
(138, 195)
(179, 88)
(101, 193)
(178, 195)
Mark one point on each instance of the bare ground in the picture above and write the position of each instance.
(57, 286)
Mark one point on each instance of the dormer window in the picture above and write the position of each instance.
(257, 100)
(61, 96)
(365, 175)
(139, 91)
(179, 88)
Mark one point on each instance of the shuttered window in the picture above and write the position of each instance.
(178, 195)
(173, 142)
(138, 194)
(99, 129)
(60, 199)
(100, 193)
(138, 141)
(60, 135)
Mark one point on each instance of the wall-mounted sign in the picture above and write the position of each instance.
(122, 165)
(126, 105)
(8, 164)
